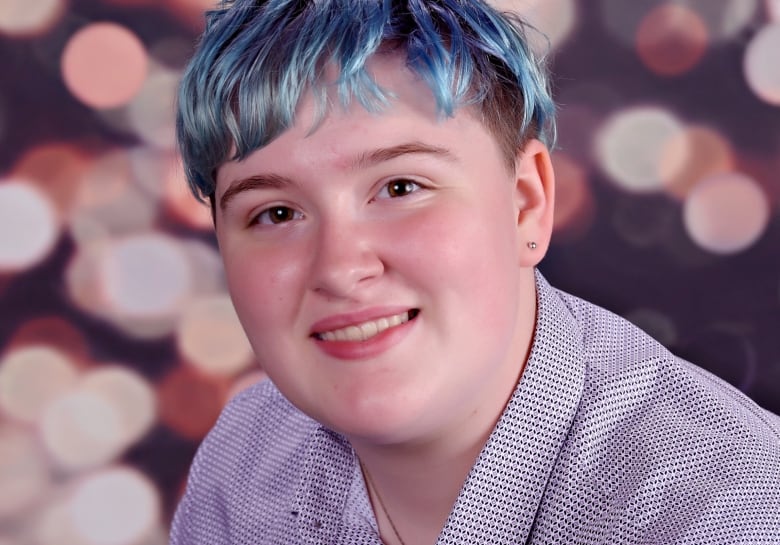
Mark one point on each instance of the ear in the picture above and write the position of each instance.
(534, 201)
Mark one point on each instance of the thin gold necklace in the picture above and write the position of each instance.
(381, 503)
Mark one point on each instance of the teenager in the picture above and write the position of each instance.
(382, 192)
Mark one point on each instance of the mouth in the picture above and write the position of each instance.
(367, 329)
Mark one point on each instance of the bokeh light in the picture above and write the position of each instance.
(151, 112)
(180, 201)
(189, 402)
(554, 19)
(25, 18)
(81, 430)
(24, 471)
(574, 203)
(54, 524)
(726, 213)
(31, 378)
(104, 65)
(29, 226)
(725, 19)
(149, 167)
(190, 11)
(161, 174)
(761, 66)
(146, 275)
(129, 394)
(116, 506)
(630, 147)
(109, 198)
(692, 155)
(139, 283)
(211, 338)
(773, 9)
(157, 536)
(57, 169)
(671, 39)
(207, 267)
(54, 332)
(577, 125)
(622, 18)
(82, 275)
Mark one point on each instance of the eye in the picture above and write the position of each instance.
(276, 215)
(399, 188)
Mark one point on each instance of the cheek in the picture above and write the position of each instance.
(262, 284)
(460, 245)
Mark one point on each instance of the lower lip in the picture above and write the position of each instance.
(376, 345)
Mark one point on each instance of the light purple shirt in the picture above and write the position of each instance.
(608, 439)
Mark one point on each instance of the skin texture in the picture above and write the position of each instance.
(371, 215)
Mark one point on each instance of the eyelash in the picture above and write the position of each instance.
(291, 214)
(267, 213)
(384, 192)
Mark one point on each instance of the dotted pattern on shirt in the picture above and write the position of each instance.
(608, 439)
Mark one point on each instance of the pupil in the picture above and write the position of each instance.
(400, 188)
(281, 214)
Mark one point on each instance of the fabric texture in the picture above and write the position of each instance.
(608, 439)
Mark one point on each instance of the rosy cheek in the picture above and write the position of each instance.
(262, 282)
(444, 240)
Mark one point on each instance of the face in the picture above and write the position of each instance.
(379, 264)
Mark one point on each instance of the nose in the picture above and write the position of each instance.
(344, 259)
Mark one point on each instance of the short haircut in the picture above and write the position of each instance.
(257, 58)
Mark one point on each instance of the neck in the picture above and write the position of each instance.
(416, 485)
(412, 494)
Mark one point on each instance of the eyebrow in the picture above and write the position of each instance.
(370, 158)
(258, 181)
(363, 160)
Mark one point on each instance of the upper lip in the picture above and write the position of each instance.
(338, 321)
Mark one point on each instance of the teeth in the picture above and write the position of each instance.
(365, 330)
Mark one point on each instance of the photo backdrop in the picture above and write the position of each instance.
(118, 343)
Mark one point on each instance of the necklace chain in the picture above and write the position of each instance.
(382, 504)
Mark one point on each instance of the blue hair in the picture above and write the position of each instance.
(256, 58)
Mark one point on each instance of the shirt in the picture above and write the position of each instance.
(607, 439)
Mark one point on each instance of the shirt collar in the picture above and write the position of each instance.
(502, 493)
(330, 499)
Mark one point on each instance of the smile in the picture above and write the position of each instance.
(367, 330)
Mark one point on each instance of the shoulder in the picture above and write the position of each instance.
(626, 368)
(662, 448)
(253, 417)
(246, 469)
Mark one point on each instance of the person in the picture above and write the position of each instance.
(381, 184)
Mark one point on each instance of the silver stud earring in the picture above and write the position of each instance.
(532, 245)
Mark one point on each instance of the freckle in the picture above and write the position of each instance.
(317, 524)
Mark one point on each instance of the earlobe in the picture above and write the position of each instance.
(535, 201)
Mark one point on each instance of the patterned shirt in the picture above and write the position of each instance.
(608, 439)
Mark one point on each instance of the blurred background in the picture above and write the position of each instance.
(118, 344)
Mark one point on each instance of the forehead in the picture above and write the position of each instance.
(330, 132)
(403, 88)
